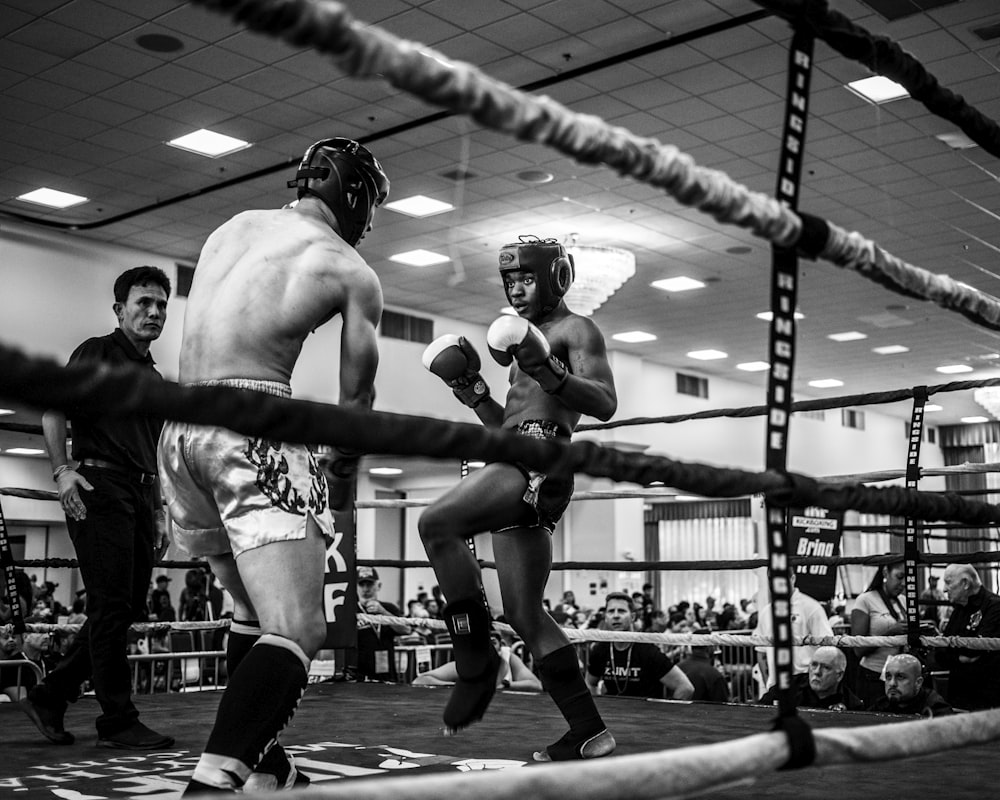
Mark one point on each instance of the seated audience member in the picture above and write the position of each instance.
(825, 687)
(699, 666)
(973, 675)
(808, 619)
(14, 680)
(514, 673)
(878, 611)
(905, 692)
(635, 669)
(376, 642)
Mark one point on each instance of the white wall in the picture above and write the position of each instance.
(56, 291)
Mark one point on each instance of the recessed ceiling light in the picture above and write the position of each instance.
(954, 369)
(634, 337)
(419, 206)
(890, 349)
(6, 411)
(385, 471)
(989, 357)
(847, 336)
(826, 383)
(24, 451)
(52, 198)
(753, 366)
(679, 284)
(968, 420)
(707, 355)
(535, 176)
(419, 258)
(933, 407)
(209, 143)
(767, 315)
(956, 141)
(739, 250)
(878, 89)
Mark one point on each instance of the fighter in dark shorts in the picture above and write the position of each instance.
(558, 371)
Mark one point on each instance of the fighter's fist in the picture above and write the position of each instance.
(457, 363)
(517, 338)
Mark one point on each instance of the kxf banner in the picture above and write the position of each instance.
(340, 595)
(814, 531)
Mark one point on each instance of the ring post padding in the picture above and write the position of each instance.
(911, 555)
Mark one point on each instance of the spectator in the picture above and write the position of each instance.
(194, 600)
(905, 692)
(514, 673)
(165, 612)
(808, 619)
(162, 588)
(878, 611)
(15, 680)
(699, 666)
(710, 615)
(825, 687)
(634, 669)
(433, 608)
(376, 641)
(973, 675)
(112, 503)
(934, 610)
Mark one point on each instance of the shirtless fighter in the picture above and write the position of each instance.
(558, 371)
(257, 508)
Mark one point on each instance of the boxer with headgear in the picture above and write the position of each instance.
(260, 510)
(558, 371)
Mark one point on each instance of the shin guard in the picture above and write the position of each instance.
(476, 662)
(587, 737)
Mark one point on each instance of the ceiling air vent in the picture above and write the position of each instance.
(897, 9)
(988, 32)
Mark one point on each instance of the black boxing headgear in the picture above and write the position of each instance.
(348, 178)
(548, 260)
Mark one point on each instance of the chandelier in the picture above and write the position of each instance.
(600, 272)
(989, 398)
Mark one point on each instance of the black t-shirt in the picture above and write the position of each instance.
(634, 672)
(129, 441)
(377, 648)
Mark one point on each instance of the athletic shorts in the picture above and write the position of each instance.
(231, 493)
(547, 495)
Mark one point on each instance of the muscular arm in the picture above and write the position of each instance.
(590, 387)
(490, 413)
(678, 684)
(359, 344)
(54, 433)
(860, 626)
(522, 679)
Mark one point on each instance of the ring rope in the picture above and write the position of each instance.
(366, 51)
(825, 404)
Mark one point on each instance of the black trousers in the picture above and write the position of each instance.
(114, 547)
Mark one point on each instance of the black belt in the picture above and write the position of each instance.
(145, 478)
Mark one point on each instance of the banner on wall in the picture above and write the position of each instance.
(815, 531)
(340, 592)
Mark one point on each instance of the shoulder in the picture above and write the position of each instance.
(573, 328)
(95, 347)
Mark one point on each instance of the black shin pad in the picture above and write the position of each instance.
(560, 674)
(476, 662)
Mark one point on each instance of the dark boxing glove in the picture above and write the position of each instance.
(457, 363)
(517, 338)
(341, 469)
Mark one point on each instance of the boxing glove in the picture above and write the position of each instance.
(457, 363)
(517, 338)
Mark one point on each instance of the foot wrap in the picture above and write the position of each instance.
(476, 662)
(569, 748)
(588, 736)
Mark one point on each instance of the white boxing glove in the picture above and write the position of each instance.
(512, 338)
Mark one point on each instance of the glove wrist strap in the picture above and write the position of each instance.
(473, 392)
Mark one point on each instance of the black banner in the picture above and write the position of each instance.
(815, 531)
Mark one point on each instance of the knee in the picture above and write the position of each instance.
(432, 528)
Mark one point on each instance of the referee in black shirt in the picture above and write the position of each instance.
(111, 497)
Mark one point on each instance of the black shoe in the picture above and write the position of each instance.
(135, 737)
(470, 698)
(48, 719)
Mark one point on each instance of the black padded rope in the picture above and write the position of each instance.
(885, 57)
(106, 390)
(781, 349)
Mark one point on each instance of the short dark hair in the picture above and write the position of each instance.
(140, 276)
(617, 596)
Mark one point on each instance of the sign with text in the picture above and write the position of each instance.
(815, 531)
(340, 594)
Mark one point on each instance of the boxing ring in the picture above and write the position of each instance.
(723, 749)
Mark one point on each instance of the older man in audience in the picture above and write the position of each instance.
(825, 686)
(905, 692)
(973, 675)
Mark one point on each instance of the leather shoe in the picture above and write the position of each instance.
(48, 720)
(136, 737)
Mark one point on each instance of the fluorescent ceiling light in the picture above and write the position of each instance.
(5, 411)
(767, 315)
(969, 420)
(847, 336)
(933, 407)
(707, 355)
(24, 451)
(826, 383)
(679, 284)
(419, 206)
(890, 349)
(753, 366)
(419, 258)
(52, 198)
(476, 464)
(954, 369)
(878, 89)
(634, 337)
(208, 143)
(956, 140)
(385, 471)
